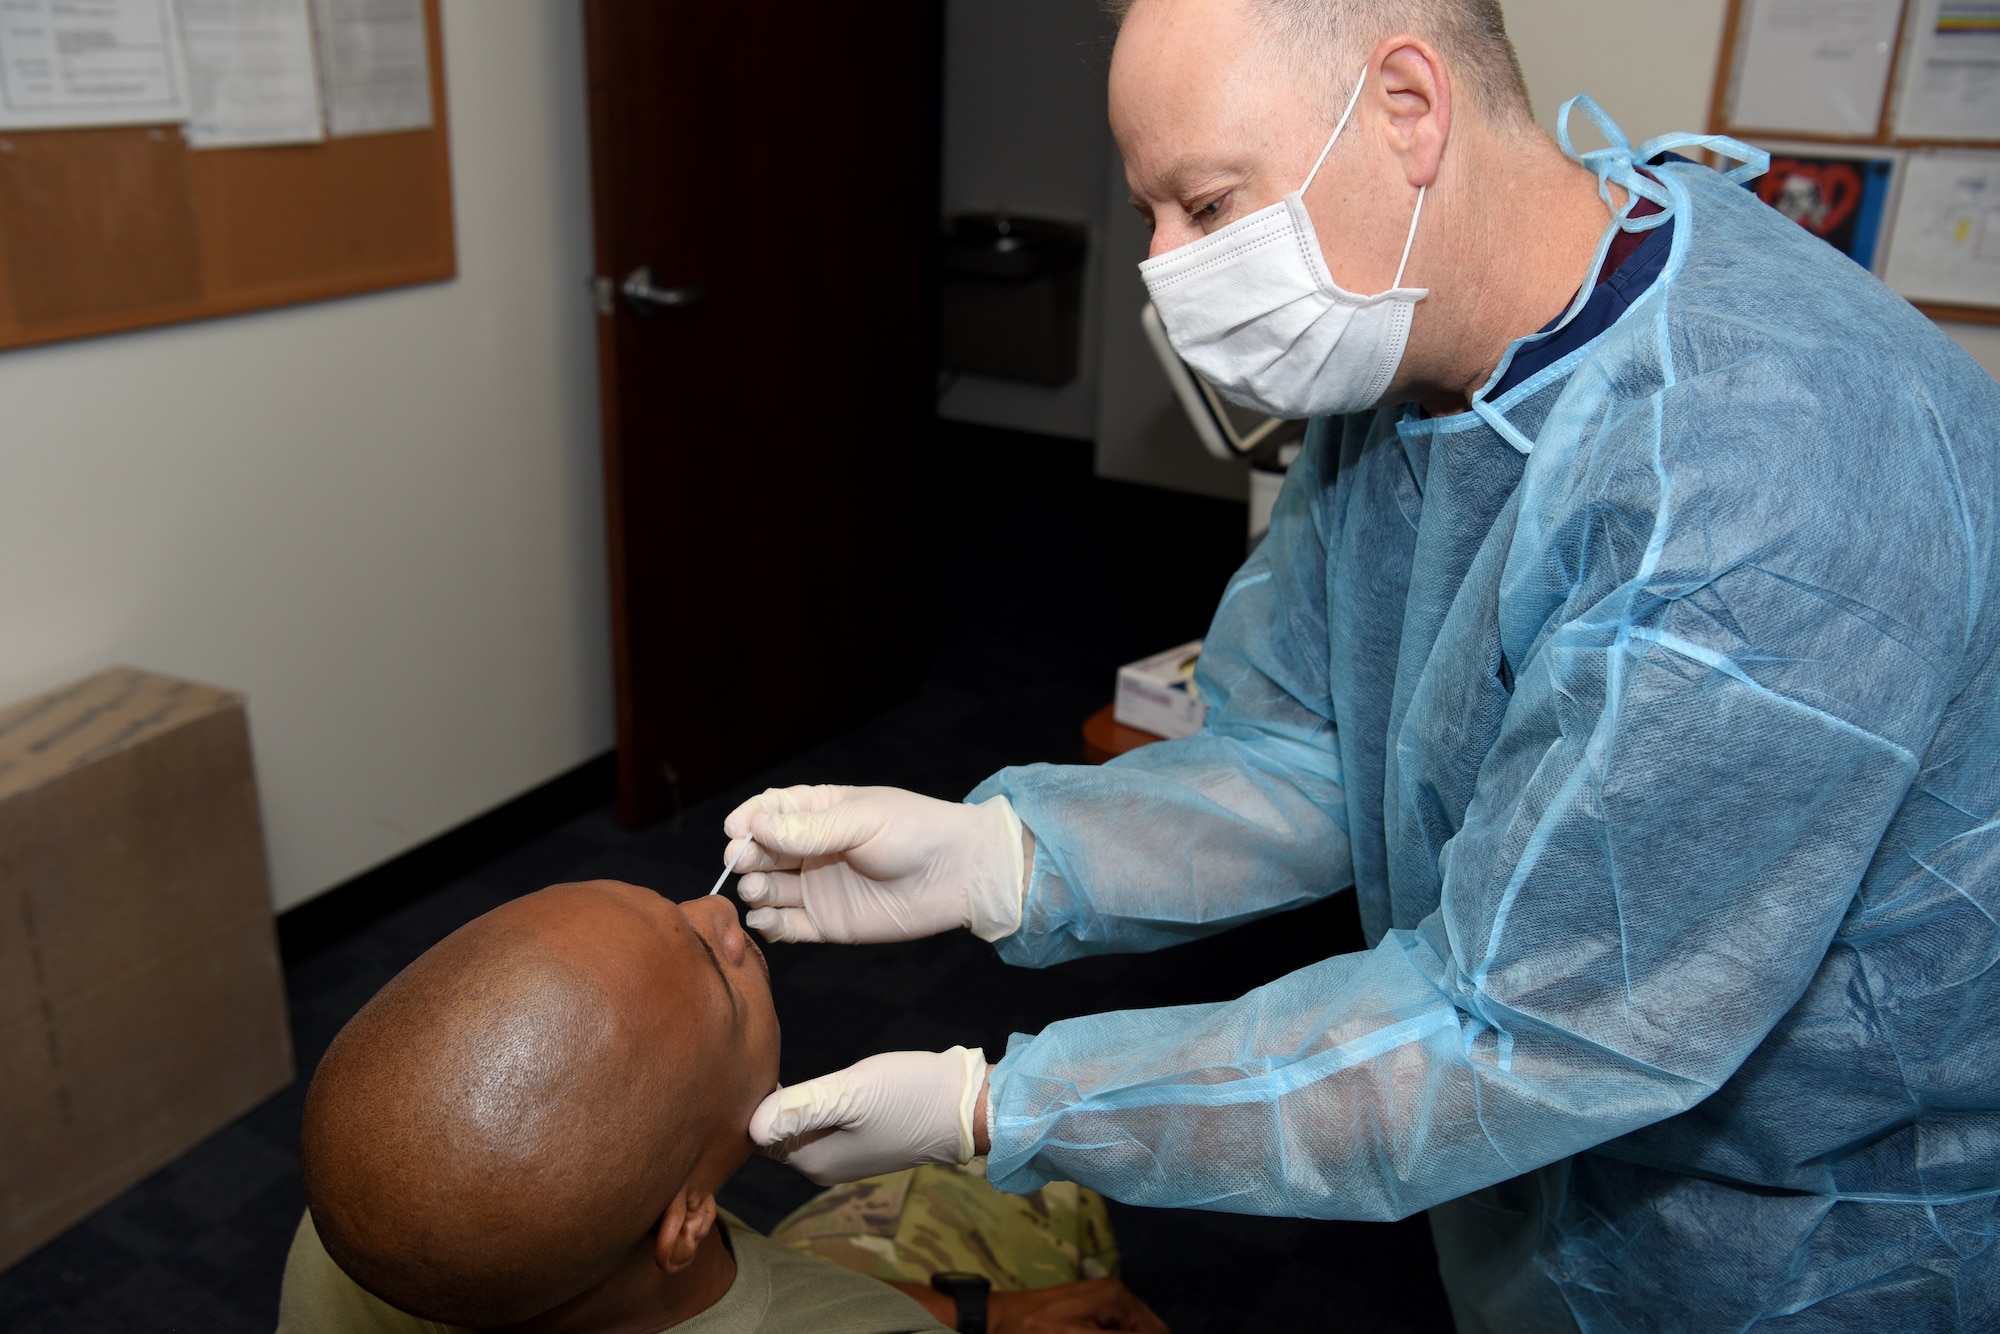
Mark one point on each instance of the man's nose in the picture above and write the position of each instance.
(1170, 236)
(715, 917)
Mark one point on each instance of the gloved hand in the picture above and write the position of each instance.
(900, 1109)
(859, 865)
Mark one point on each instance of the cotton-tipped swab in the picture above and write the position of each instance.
(730, 869)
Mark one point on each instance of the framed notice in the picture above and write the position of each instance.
(1949, 87)
(1944, 250)
(64, 64)
(1809, 68)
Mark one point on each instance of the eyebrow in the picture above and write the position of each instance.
(1181, 179)
(716, 964)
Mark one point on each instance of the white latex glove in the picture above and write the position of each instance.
(859, 865)
(900, 1109)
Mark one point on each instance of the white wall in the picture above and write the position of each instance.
(379, 517)
(1650, 68)
(1025, 132)
(1982, 341)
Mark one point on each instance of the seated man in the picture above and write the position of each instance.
(526, 1130)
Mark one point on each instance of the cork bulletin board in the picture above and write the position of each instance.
(103, 230)
(1882, 118)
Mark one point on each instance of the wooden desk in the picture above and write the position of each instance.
(1105, 738)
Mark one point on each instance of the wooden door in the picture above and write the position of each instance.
(762, 443)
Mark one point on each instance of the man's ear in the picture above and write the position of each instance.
(687, 1223)
(1418, 90)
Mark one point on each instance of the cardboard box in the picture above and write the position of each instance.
(1157, 694)
(141, 1003)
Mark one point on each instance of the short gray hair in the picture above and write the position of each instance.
(1333, 37)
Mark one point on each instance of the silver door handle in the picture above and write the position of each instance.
(644, 298)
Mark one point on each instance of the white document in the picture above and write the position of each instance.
(250, 72)
(375, 67)
(1946, 246)
(1815, 66)
(90, 62)
(1951, 79)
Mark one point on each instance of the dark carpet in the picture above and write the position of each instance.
(1047, 580)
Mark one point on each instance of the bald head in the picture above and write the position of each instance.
(1326, 41)
(507, 1120)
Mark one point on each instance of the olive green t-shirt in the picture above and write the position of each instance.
(776, 1288)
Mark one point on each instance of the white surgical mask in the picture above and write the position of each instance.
(1253, 309)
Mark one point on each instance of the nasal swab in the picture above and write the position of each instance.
(729, 869)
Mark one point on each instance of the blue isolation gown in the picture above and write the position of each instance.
(1664, 757)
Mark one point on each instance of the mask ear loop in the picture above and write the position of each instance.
(1410, 241)
(1345, 116)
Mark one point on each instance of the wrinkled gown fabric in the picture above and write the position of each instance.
(1665, 761)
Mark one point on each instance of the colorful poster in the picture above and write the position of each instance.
(1841, 198)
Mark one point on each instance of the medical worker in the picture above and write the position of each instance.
(1628, 636)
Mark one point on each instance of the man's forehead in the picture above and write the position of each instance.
(565, 909)
(1173, 51)
(1202, 99)
(1186, 175)
(1185, 144)
(607, 928)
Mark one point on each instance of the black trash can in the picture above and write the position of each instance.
(1012, 296)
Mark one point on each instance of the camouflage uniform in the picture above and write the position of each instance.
(909, 1225)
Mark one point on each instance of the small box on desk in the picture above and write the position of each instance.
(141, 1003)
(1157, 694)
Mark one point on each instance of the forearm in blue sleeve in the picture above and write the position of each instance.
(1246, 818)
